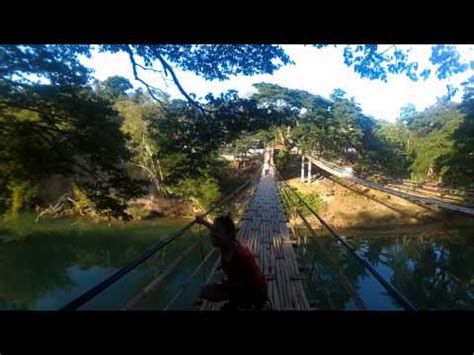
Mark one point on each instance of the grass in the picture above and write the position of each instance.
(138, 212)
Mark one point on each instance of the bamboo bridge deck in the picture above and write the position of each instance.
(264, 231)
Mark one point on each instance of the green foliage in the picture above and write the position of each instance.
(292, 100)
(216, 61)
(82, 202)
(204, 191)
(138, 212)
(53, 123)
(292, 203)
(113, 87)
(189, 142)
(458, 165)
(390, 156)
(328, 127)
(434, 142)
(282, 161)
(144, 142)
(247, 141)
(107, 140)
(21, 193)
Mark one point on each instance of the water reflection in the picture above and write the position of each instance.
(433, 269)
(48, 270)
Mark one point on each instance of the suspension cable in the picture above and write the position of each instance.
(188, 280)
(94, 291)
(388, 287)
(342, 277)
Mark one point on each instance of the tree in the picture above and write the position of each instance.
(369, 62)
(338, 94)
(432, 136)
(53, 123)
(457, 165)
(192, 144)
(330, 127)
(407, 111)
(209, 61)
(219, 62)
(393, 147)
(142, 141)
(113, 87)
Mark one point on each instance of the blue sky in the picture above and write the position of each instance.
(318, 71)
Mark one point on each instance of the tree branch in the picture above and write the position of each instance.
(167, 68)
(55, 149)
(135, 74)
(151, 173)
(388, 49)
(155, 71)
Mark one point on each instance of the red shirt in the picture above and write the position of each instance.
(242, 268)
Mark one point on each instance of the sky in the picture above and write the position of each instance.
(318, 71)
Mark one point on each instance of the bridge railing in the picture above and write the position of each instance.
(286, 190)
(439, 203)
(184, 256)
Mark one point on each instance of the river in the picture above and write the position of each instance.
(49, 264)
(46, 265)
(432, 267)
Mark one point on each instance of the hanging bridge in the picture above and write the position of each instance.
(339, 171)
(265, 230)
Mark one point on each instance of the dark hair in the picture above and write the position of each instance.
(227, 223)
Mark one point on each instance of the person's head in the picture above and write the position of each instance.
(223, 232)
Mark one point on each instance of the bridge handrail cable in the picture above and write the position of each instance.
(388, 287)
(100, 287)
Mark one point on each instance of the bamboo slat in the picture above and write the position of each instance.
(265, 232)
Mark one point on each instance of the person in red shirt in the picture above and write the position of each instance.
(245, 286)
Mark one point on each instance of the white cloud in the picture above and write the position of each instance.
(318, 71)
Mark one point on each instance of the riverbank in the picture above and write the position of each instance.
(173, 207)
(148, 211)
(351, 206)
(24, 227)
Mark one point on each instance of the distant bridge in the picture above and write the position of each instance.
(339, 171)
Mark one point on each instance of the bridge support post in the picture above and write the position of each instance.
(309, 171)
(302, 168)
